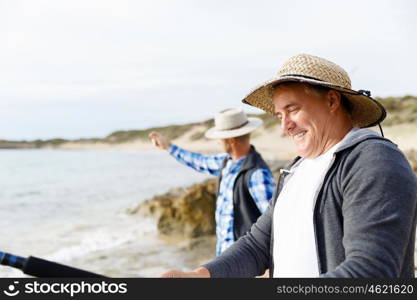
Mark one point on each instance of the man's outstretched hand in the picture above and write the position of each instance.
(159, 141)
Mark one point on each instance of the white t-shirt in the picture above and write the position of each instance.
(295, 252)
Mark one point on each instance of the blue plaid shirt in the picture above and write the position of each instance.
(261, 188)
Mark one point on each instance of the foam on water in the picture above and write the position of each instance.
(94, 240)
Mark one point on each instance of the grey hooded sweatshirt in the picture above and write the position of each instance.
(364, 217)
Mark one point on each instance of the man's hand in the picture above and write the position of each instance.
(201, 272)
(159, 141)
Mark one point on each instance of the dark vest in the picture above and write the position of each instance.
(244, 207)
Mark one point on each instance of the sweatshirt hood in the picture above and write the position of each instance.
(356, 136)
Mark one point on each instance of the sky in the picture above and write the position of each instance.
(86, 68)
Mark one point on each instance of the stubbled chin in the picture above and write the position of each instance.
(301, 147)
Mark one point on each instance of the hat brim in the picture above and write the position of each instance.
(366, 111)
(214, 133)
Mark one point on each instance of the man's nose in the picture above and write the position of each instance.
(286, 124)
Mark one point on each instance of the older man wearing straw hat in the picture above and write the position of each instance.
(246, 184)
(346, 206)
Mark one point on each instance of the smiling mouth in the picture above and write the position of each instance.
(299, 135)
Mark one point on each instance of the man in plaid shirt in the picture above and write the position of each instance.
(246, 184)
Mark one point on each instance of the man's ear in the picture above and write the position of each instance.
(333, 98)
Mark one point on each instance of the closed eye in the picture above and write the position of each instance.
(291, 107)
(288, 108)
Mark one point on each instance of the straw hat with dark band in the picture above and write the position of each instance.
(314, 70)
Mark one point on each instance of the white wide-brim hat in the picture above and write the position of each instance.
(232, 122)
(314, 70)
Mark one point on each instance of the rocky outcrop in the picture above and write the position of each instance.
(188, 212)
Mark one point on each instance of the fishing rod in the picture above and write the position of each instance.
(39, 267)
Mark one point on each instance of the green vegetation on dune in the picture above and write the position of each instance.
(57, 142)
(399, 109)
(171, 132)
(52, 142)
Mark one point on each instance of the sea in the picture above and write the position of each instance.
(71, 207)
